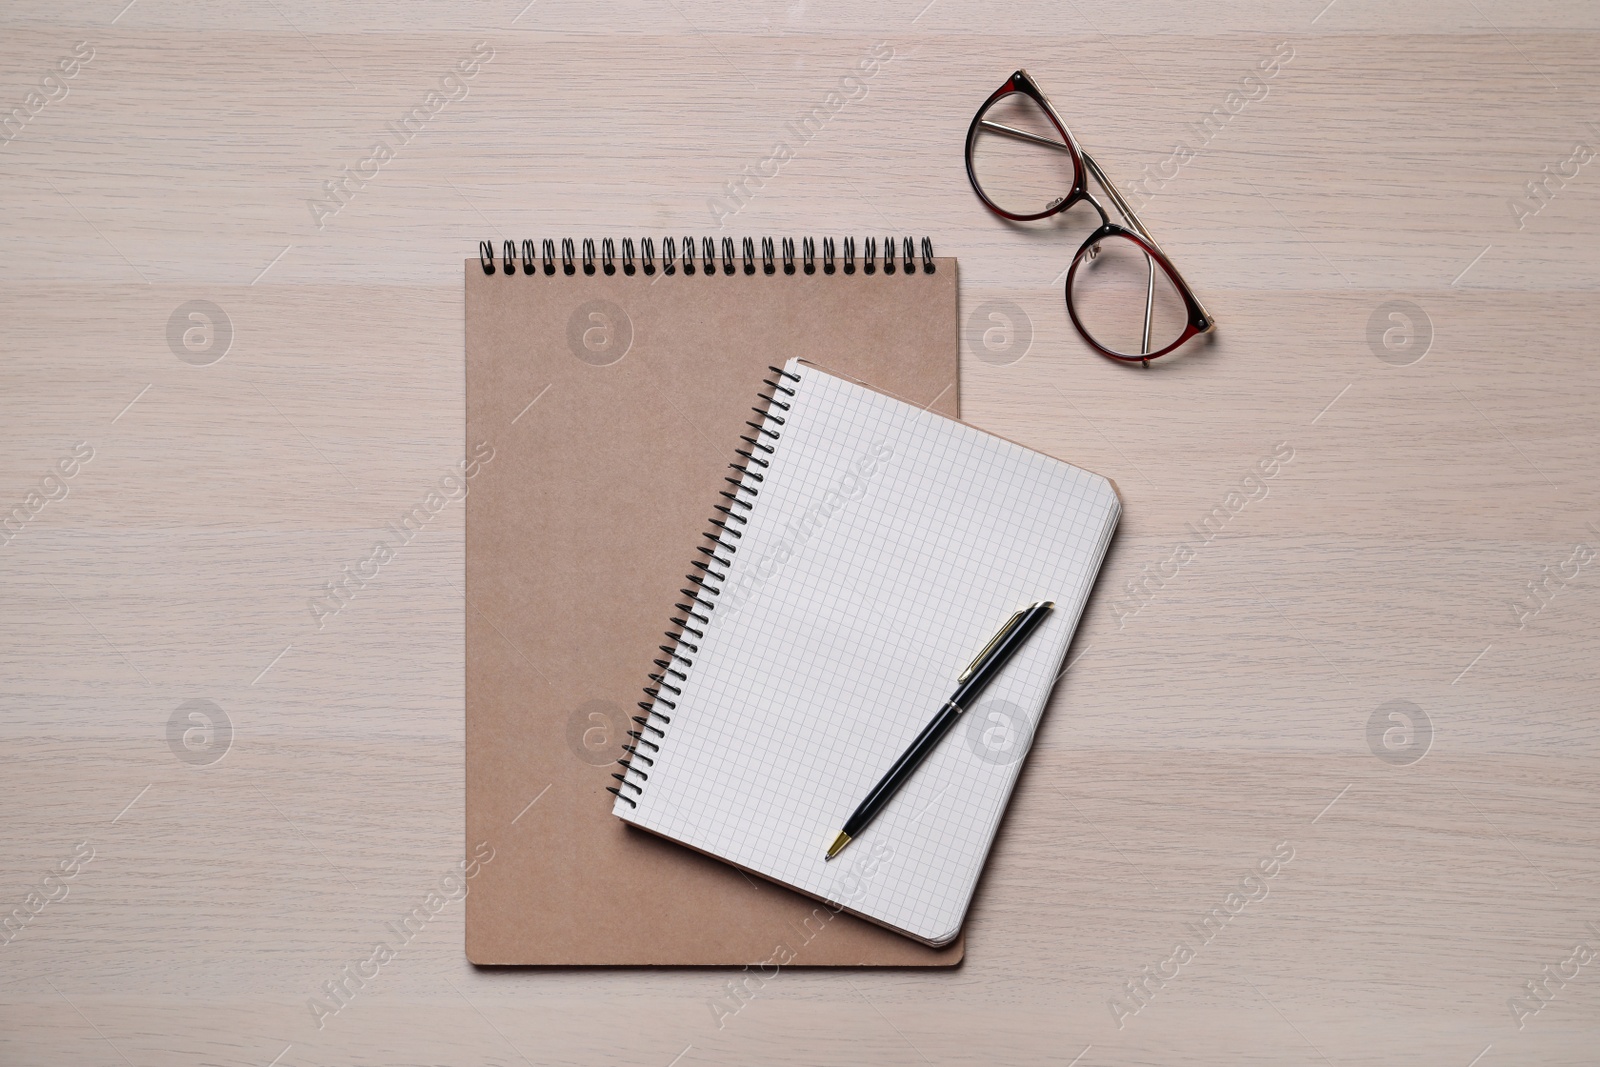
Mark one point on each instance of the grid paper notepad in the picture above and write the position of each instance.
(876, 552)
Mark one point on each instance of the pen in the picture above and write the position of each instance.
(979, 673)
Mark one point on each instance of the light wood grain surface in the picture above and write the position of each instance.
(1231, 712)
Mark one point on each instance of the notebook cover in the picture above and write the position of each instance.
(602, 413)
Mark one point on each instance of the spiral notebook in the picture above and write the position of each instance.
(608, 382)
(867, 550)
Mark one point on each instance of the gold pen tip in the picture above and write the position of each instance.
(838, 844)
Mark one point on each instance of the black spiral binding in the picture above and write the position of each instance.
(706, 581)
(576, 256)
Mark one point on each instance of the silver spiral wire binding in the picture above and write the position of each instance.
(608, 252)
(788, 255)
(547, 253)
(700, 596)
(567, 253)
(588, 255)
(486, 256)
(627, 255)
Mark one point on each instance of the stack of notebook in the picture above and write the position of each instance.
(742, 491)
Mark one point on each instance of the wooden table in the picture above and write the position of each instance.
(1348, 662)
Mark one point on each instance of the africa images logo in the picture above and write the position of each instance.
(341, 989)
(343, 187)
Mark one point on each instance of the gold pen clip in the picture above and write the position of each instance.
(995, 640)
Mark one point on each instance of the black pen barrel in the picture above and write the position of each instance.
(970, 686)
(903, 768)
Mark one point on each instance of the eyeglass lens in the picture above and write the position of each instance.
(1113, 291)
(1018, 175)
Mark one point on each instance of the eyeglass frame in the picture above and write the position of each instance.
(1197, 320)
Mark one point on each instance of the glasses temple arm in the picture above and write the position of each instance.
(1126, 210)
(1022, 135)
(1149, 304)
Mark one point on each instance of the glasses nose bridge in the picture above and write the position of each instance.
(1085, 196)
(1062, 209)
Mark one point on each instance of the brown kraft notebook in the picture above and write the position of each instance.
(605, 386)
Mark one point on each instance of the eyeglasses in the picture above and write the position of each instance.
(1124, 295)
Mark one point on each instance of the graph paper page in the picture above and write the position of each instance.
(886, 545)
